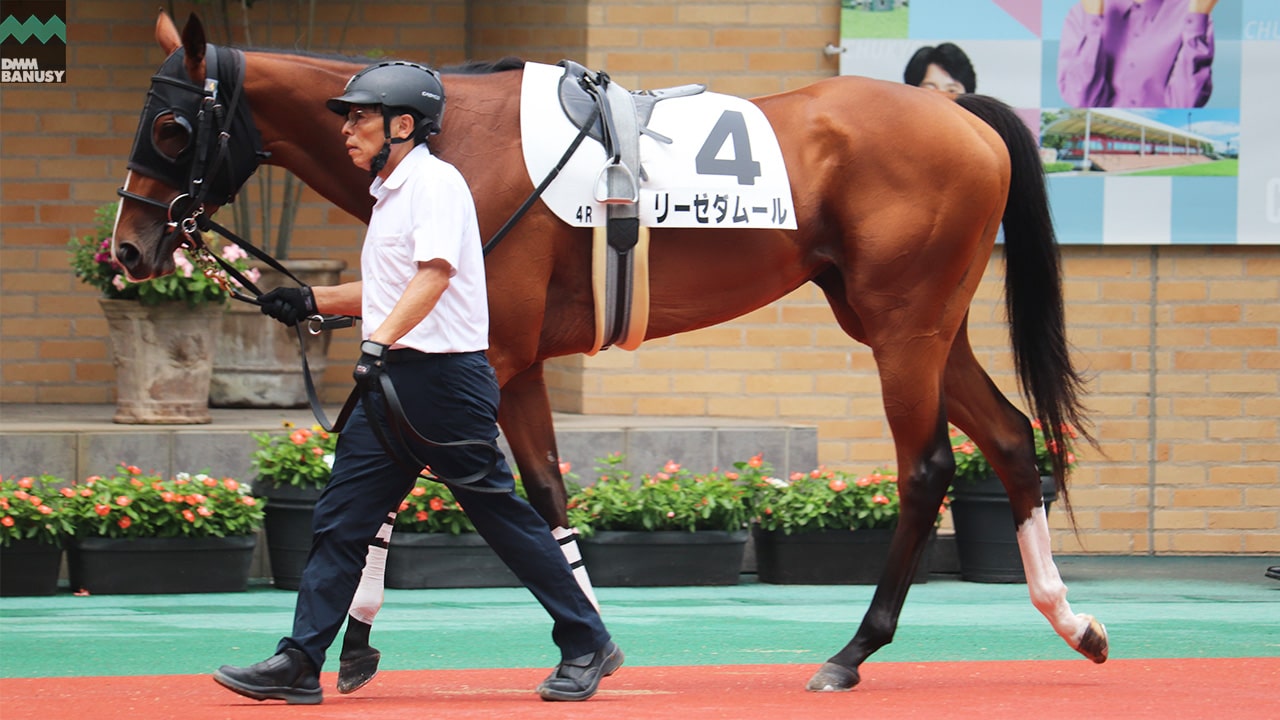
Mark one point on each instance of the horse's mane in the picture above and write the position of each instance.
(485, 67)
(469, 67)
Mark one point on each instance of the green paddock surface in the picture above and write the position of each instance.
(1168, 607)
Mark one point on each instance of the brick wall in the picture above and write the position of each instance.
(1181, 341)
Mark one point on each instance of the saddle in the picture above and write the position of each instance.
(616, 118)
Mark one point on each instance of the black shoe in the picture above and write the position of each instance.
(579, 678)
(1273, 572)
(287, 675)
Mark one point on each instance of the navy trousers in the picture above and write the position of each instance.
(447, 397)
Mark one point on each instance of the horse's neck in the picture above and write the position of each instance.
(287, 94)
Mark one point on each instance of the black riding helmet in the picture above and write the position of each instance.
(399, 87)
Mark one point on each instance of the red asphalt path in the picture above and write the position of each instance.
(1236, 688)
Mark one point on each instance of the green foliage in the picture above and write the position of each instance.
(671, 499)
(92, 263)
(821, 499)
(134, 504)
(301, 457)
(971, 466)
(32, 508)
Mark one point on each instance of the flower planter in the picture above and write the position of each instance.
(442, 560)
(826, 557)
(289, 513)
(256, 364)
(986, 539)
(163, 356)
(646, 559)
(114, 566)
(29, 567)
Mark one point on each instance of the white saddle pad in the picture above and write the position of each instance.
(724, 168)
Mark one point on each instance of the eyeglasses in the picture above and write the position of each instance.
(357, 115)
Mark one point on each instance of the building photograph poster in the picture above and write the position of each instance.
(1158, 120)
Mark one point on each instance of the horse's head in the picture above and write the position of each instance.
(195, 146)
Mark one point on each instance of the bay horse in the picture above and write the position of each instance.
(898, 194)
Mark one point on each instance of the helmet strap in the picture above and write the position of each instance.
(380, 160)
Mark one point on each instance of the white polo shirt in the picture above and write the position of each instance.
(424, 211)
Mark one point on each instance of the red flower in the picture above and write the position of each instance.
(671, 467)
(880, 500)
(565, 467)
(6, 521)
(101, 509)
(837, 485)
(124, 522)
(168, 496)
(403, 506)
(123, 501)
(436, 504)
(756, 460)
(420, 516)
(418, 491)
(249, 500)
(230, 484)
(134, 470)
(190, 516)
(203, 511)
(26, 483)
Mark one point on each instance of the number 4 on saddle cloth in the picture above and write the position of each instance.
(680, 157)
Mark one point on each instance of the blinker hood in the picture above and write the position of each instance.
(193, 167)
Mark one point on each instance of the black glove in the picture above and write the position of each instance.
(371, 365)
(289, 304)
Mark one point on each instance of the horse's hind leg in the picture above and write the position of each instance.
(910, 366)
(1004, 436)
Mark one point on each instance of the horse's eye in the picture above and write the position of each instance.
(170, 135)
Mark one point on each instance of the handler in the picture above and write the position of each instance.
(426, 325)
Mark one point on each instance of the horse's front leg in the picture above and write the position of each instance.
(921, 491)
(525, 417)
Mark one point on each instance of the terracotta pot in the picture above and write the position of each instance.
(163, 356)
(257, 364)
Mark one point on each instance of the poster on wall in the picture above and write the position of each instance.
(1158, 120)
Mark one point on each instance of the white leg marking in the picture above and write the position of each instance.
(1048, 592)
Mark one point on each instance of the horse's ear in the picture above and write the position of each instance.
(193, 42)
(167, 33)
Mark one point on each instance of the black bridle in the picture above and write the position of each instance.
(212, 168)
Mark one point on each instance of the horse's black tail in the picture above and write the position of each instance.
(1033, 287)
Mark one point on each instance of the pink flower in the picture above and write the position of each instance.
(232, 252)
(756, 460)
(837, 485)
(249, 500)
(26, 483)
(565, 467)
(182, 264)
(671, 467)
(118, 282)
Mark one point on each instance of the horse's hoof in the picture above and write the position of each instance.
(833, 678)
(1093, 644)
(356, 669)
